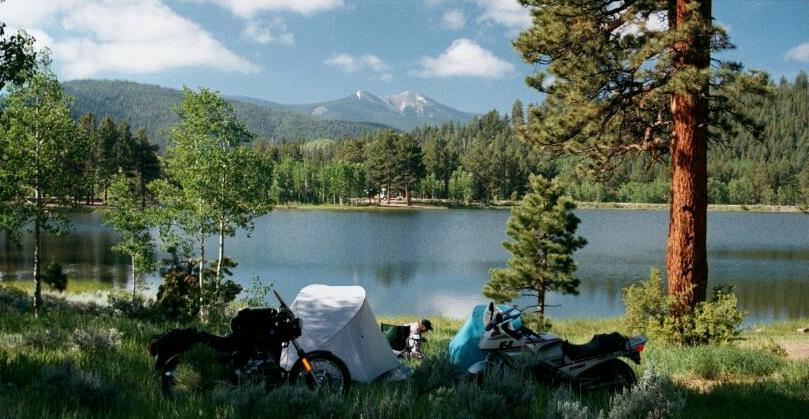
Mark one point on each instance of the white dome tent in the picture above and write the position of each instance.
(339, 319)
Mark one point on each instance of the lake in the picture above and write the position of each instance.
(428, 262)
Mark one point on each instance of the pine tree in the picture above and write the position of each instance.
(147, 165)
(409, 164)
(542, 229)
(382, 162)
(107, 160)
(616, 85)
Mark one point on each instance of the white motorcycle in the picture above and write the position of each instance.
(593, 365)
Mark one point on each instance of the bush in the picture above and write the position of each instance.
(650, 311)
(653, 397)
(55, 277)
(70, 387)
(46, 340)
(563, 405)
(433, 372)
(13, 300)
(133, 308)
(96, 339)
(178, 297)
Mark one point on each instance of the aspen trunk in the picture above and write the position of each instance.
(686, 254)
(37, 257)
(221, 254)
(134, 278)
(201, 270)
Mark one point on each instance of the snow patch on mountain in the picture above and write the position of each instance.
(420, 105)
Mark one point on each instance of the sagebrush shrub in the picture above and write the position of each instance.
(48, 339)
(93, 339)
(434, 371)
(654, 396)
(66, 383)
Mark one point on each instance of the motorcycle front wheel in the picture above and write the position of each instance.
(328, 373)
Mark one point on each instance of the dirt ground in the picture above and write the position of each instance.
(796, 349)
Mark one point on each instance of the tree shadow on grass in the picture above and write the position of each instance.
(745, 400)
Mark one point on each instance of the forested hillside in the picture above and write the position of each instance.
(485, 161)
(149, 106)
(482, 160)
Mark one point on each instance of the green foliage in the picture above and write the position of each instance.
(17, 57)
(134, 224)
(214, 185)
(178, 296)
(256, 294)
(36, 134)
(55, 277)
(542, 230)
(650, 311)
(460, 186)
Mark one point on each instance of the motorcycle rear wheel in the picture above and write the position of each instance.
(329, 373)
(611, 375)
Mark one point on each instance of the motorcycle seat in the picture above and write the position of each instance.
(598, 345)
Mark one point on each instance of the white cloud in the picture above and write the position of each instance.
(656, 22)
(799, 53)
(122, 36)
(453, 19)
(247, 8)
(508, 13)
(465, 58)
(264, 33)
(351, 63)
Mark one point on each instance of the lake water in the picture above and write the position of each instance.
(436, 262)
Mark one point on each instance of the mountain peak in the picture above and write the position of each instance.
(408, 99)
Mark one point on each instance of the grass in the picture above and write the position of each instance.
(74, 286)
(82, 360)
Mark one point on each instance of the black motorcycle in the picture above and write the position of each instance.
(252, 352)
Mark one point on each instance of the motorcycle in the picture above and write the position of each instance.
(593, 365)
(252, 352)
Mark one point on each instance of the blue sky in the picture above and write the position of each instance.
(457, 52)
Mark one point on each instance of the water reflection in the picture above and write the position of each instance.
(436, 262)
(84, 253)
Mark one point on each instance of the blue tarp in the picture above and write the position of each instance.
(463, 348)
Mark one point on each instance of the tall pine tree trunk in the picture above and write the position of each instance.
(686, 255)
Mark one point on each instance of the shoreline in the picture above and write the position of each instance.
(441, 205)
(505, 205)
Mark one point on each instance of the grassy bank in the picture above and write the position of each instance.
(82, 360)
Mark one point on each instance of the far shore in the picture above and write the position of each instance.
(420, 204)
(443, 204)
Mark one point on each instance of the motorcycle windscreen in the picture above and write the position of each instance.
(463, 348)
